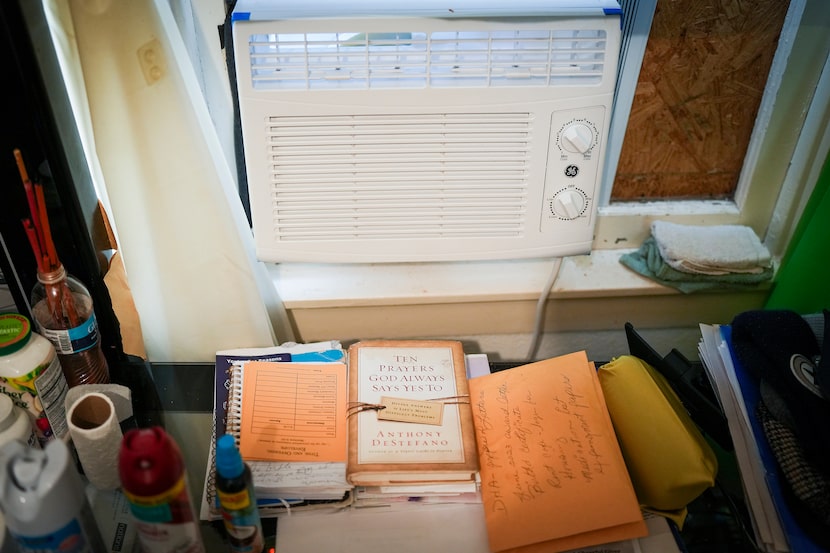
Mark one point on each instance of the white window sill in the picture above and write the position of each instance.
(599, 274)
(494, 304)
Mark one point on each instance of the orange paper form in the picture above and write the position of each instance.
(293, 412)
(552, 475)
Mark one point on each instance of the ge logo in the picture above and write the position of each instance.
(571, 171)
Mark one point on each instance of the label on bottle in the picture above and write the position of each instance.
(69, 539)
(235, 501)
(165, 522)
(41, 392)
(242, 521)
(73, 340)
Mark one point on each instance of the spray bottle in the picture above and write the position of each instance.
(235, 488)
(154, 481)
(43, 499)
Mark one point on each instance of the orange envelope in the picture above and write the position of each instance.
(552, 474)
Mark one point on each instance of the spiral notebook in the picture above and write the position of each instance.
(269, 477)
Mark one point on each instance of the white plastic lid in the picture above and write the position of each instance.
(27, 471)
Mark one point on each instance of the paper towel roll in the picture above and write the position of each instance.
(120, 396)
(96, 433)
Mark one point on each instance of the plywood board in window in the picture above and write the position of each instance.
(703, 75)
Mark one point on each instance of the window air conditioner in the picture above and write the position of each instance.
(465, 130)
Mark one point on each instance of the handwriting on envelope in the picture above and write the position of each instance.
(552, 475)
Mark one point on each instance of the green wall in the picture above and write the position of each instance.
(803, 281)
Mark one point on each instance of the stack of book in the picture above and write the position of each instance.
(282, 482)
(411, 437)
(527, 454)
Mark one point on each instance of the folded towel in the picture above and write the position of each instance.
(711, 250)
(648, 262)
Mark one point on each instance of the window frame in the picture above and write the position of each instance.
(786, 150)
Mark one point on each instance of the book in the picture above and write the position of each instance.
(287, 419)
(409, 413)
(553, 477)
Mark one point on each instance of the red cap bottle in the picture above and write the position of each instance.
(154, 480)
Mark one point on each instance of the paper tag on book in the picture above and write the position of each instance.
(411, 410)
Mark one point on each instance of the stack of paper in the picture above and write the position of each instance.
(281, 487)
(716, 358)
(413, 495)
(775, 527)
(290, 428)
(552, 474)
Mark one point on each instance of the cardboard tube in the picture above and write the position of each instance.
(96, 434)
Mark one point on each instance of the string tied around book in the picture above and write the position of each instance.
(360, 406)
(457, 400)
(355, 407)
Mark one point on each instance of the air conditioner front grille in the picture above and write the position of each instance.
(441, 59)
(392, 176)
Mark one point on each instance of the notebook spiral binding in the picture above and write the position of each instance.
(234, 407)
(233, 412)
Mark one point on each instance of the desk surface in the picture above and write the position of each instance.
(179, 397)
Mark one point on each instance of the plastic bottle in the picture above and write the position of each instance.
(154, 481)
(43, 499)
(235, 488)
(63, 311)
(31, 375)
(15, 424)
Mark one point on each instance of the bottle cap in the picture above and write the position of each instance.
(53, 276)
(228, 460)
(15, 331)
(149, 461)
(27, 469)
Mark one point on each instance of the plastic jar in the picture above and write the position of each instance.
(31, 375)
(15, 424)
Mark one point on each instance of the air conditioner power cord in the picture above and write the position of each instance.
(541, 303)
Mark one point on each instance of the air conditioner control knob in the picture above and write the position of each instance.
(568, 204)
(577, 138)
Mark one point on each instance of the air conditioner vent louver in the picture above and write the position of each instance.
(357, 60)
(374, 177)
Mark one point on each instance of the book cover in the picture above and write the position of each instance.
(409, 413)
(553, 477)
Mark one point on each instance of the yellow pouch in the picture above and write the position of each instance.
(668, 459)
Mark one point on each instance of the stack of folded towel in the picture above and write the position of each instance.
(692, 258)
